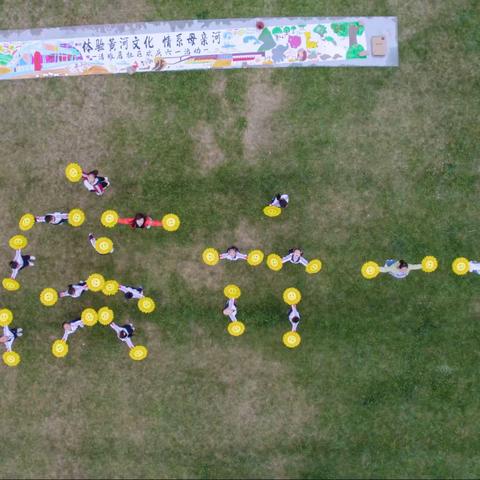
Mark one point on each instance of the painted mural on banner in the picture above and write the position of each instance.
(186, 50)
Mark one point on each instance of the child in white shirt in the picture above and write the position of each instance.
(71, 327)
(233, 254)
(124, 333)
(295, 255)
(230, 309)
(9, 336)
(294, 317)
(74, 290)
(279, 200)
(131, 292)
(20, 262)
(56, 218)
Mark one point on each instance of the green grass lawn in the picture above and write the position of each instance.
(379, 163)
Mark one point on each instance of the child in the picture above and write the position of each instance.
(20, 262)
(233, 254)
(140, 220)
(71, 327)
(131, 292)
(94, 183)
(56, 218)
(9, 336)
(74, 290)
(295, 255)
(93, 241)
(124, 333)
(294, 317)
(230, 309)
(279, 200)
(474, 267)
(399, 268)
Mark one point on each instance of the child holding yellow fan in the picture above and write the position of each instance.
(294, 317)
(233, 254)
(295, 255)
(71, 327)
(279, 200)
(399, 268)
(56, 218)
(9, 336)
(94, 183)
(74, 290)
(20, 262)
(230, 309)
(124, 333)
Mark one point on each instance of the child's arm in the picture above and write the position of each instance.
(129, 342)
(415, 266)
(125, 221)
(303, 261)
(40, 219)
(242, 256)
(115, 327)
(287, 258)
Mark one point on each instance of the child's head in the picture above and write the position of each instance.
(232, 250)
(139, 219)
(227, 311)
(66, 326)
(295, 319)
(297, 252)
(128, 295)
(123, 334)
(402, 264)
(13, 264)
(283, 203)
(3, 339)
(49, 218)
(71, 290)
(91, 177)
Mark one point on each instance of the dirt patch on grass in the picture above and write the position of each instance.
(263, 100)
(207, 150)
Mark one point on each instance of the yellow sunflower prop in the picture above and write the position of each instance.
(146, 305)
(429, 264)
(105, 316)
(271, 211)
(170, 222)
(95, 282)
(460, 266)
(139, 352)
(292, 296)
(10, 284)
(236, 328)
(17, 242)
(26, 222)
(89, 317)
(76, 217)
(313, 266)
(210, 256)
(11, 359)
(104, 245)
(109, 218)
(291, 339)
(255, 257)
(370, 270)
(274, 262)
(232, 291)
(73, 172)
(59, 348)
(110, 288)
(6, 317)
(48, 297)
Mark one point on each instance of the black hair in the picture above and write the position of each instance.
(283, 202)
(277, 196)
(71, 289)
(234, 248)
(13, 264)
(295, 319)
(48, 218)
(128, 295)
(402, 263)
(123, 334)
(93, 172)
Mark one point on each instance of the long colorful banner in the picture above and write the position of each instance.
(195, 45)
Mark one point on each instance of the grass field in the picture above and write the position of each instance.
(379, 163)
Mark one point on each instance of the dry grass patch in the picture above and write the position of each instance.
(207, 151)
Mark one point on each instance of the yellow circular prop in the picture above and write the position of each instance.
(146, 305)
(460, 266)
(104, 245)
(429, 264)
(292, 296)
(291, 339)
(6, 317)
(109, 218)
(236, 328)
(26, 222)
(170, 222)
(271, 211)
(139, 352)
(10, 284)
(255, 257)
(95, 282)
(370, 270)
(110, 288)
(17, 242)
(11, 359)
(105, 315)
(89, 317)
(210, 256)
(59, 348)
(232, 291)
(274, 262)
(73, 172)
(49, 297)
(313, 266)
(76, 217)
